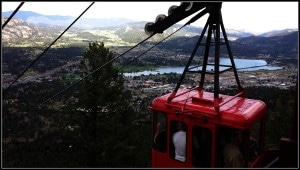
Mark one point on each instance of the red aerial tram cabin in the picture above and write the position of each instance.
(208, 117)
(196, 110)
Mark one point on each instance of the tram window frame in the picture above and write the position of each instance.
(173, 130)
(159, 117)
(201, 147)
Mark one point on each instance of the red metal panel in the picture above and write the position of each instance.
(239, 112)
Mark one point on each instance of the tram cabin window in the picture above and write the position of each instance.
(201, 150)
(159, 131)
(245, 143)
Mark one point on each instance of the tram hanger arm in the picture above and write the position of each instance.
(184, 10)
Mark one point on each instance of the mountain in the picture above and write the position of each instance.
(20, 33)
(125, 34)
(277, 46)
(247, 47)
(109, 23)
(277, 32)
(27, 15)
(93, 23)
(85, 23)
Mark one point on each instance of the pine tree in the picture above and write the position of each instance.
(104, 114)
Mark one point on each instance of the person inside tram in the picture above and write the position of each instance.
(160, 137)
(179, 141)
(233, 157)
(248, 145)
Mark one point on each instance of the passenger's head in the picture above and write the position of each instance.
(180, 126)
(235, 136)
(245, 135)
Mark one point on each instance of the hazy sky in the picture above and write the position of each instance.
(255, 17)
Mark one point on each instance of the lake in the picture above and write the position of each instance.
(241, 65)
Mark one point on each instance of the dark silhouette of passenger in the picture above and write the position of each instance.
(233, 157)
(248, 145)
(160, 138)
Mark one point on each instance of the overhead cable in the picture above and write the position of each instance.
(102, 66)
(12, 15)
(135, 58)
(99, 68)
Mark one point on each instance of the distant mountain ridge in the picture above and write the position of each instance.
(39, 19)
(31, 32)
(24, 15)
(92, 23)
(277, 33)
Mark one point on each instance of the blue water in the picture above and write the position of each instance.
(240, 64)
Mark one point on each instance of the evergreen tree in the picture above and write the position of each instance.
(104, 114)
